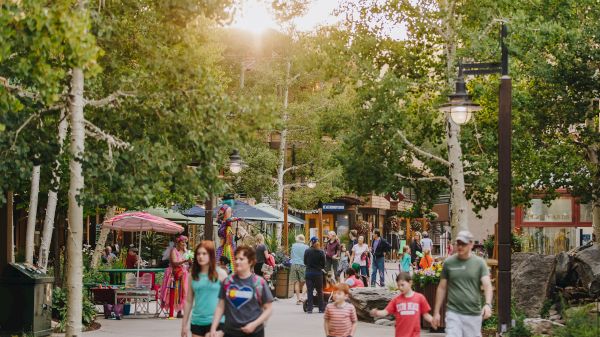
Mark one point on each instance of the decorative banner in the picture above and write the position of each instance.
(310, 211)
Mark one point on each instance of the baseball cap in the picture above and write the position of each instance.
(314, 239)
(464, 236)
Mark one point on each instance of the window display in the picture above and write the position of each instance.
(558, 211)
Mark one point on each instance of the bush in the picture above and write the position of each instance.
(580, 323)
(59, 309)
(520, 329)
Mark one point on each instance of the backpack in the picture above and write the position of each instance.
(258, 283)
(271, 260)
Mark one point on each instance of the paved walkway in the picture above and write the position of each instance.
(288, 320)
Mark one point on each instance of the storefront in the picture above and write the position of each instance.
(551, 228)
(339, 216)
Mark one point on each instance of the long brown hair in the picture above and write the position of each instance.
(212, 263)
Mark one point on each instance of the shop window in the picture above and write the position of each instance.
(549, 240)
(585, 212)
(558, 211)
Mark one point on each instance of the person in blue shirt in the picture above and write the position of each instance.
(405, 262)
(203, 294)
(297, 269)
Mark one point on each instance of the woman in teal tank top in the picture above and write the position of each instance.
(203, 291)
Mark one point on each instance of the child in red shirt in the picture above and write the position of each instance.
(407, 308)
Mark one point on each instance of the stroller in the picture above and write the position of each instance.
(327, 292)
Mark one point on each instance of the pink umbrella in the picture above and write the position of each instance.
(142, 222)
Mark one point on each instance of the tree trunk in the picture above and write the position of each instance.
(32, 214)
(596, 219)
(282, 149)
(74, 270)
(458, 203)
(101, 241)
(52, 196)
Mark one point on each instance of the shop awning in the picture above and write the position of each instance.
(279, 214)
(168, 214)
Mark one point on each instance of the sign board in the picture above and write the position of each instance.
(334, 207)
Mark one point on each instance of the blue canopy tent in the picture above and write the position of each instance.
(240, 210)
(279, 214)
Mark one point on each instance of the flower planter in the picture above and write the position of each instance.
(283, 289)
(429, 291)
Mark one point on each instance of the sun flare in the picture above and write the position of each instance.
(255, 17)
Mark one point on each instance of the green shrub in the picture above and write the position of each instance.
(520, 329)
(580, 323)
(545, 310)
(59, 309)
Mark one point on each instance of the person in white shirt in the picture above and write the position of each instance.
(426, 242)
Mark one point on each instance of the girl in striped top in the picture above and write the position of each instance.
(340, 316)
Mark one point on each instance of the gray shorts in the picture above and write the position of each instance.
(458, 325)
(297, 273)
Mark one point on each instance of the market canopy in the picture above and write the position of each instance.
(240, 210)
(142, 222)
(279, 214)
(169, 214)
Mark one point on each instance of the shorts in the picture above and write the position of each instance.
(297, 273)
(202, 330)
(260, 333)
(458, 325)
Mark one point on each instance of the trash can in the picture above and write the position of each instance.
(26, 305)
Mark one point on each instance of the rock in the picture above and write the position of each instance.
(365, 299)
(531, 281)
(562, 270)
(552, 312)
(384, 321)
(390, 323)
(586, 264)
(554, 317)
(540, 326)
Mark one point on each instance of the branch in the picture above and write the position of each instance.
(423, 153)
(436, 178)
(304, 184)
(108, 99)
(98, 134)
(17, 89)
(296, 167)
(21, 128)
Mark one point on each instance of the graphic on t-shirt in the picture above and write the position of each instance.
(238, 296)
(407, 308)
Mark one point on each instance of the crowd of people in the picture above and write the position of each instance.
(215, 300)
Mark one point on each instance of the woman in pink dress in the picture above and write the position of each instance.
(174, 287)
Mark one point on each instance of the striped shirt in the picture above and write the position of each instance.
(340, 319)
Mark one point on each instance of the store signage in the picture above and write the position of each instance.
(334, 207)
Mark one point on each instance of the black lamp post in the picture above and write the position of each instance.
(460, 108)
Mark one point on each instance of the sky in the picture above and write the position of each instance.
(257, 16)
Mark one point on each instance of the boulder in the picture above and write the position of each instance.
(366, 299)
(531, 281)
(586, 264)
(540, 326)
(563, 275)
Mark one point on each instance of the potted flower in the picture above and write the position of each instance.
(426, 282)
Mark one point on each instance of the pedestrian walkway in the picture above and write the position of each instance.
(288, 320)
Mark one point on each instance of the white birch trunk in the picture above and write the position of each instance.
(74, 269)
(52, 197)
(458, 200)
(459, 206)
(282, 149)
(32, 214)
(101, 241)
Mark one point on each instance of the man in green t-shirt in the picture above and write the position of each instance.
(463, 275)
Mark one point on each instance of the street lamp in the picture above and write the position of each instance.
(235, 162)
(460, 108)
